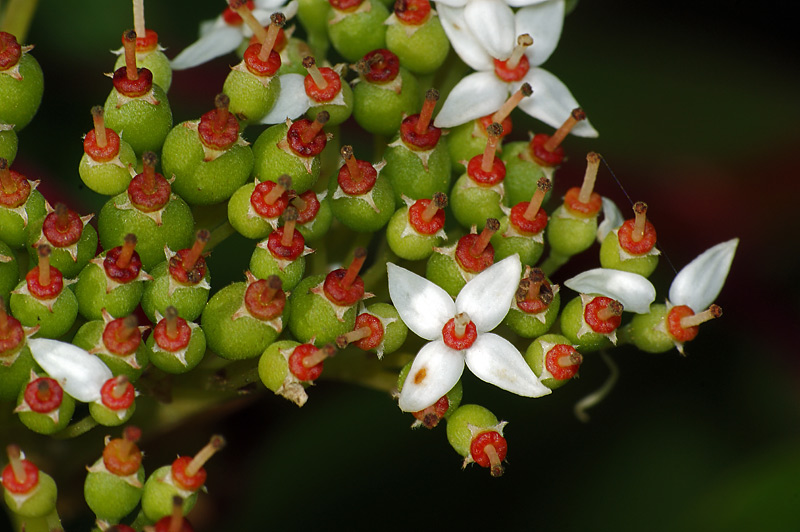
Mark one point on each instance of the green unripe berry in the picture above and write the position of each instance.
(16, 375)
(443, 270)
(14, 227)
(110, 418)
(354, 33)
(394, 330)
(156, 62)
(529, 248)
(465, 142)
(271, 162)
(571, 321)
(522, 173)
(263, 264)
(356, 212)
(273, 368)
(338, 112)
(379, 109)
(40, 503)
(313, 316)
(144, 125)
(239, 210)
(422, 52)
(251, 96)
(535, 356)
(458, 426)
(52, 323)
(109, 496)
(568, 234)
(472, 204)
(610, 257)
(170, 362)
(198, 181)
(406, 242)
(648, 332)
(413, 176)
(45, 423)
(90, 338)
(92, 291)
(108, 178)
(20, 98)
(8, 143)
(241, 338)
(163, 291)
(158, 494)
(9, 271)
(62, 258)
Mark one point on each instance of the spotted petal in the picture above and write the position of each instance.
(79, 373)
(631, 289)
(423, 306)
(699, 283)
(612, 218)
(543, 22)
(435, 370)
(292, 100)
(464, 42)
(492, 23)
(552, 102)
(474, 96)
(217, 42)
(487, 297)
(495, 360)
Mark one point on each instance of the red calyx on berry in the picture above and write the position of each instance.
(459, 332)
(583, 201)
(101, 143)
(427, 216)
(11, 332)
(637, 236)
(129, 80)
(19, 476)
(379, 66)
(355, 177)
(149, 191)
(122, 456)
(546, 150)
(367, 333)
(431, 416)
(117, 393)
(486, 169)
(528, 217)
(345, 287)
(172, 333)
(285, 243)
(10, 51)
(62, 227)
(474, 253)
(412, 12)
(306, 138)
(43, 395)
(418, 131)
(563, 361)
(307, 206)
(188, 266)
(488, 449)
(683, 323)
(44, 281)
(122, 263)
(265, 299)
(269, 199)
(218, 129)
(603, 314)
(14, 188)
(188, 472)
(321, 84)
(515, 67)
(306, 361)
(535, 293)
(121, 336)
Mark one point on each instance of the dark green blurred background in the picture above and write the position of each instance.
(696, 103)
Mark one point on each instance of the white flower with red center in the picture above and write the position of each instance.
(459, 333)
(506, 49)
(225, 33)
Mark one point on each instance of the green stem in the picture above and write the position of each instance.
(598, 395)
(553, 262)
(76, 429)
(219, 235)
(18, 17)
(49, 523)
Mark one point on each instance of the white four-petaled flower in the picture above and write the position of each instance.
(426, 308)
(484, 30)
(699, 283)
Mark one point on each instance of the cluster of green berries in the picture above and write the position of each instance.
(283, 191)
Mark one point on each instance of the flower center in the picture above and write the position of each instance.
(459, 332)
(515, 67)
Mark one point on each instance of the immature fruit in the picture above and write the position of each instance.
(274, 158)
(158, 493)
(19, 207)
(21, 83)
(43, 406)
(144, 124)
(553, 359)
(149, 56)
(9, 271)
(587, 332)
(113, 485)
(466, 426)
(416, 229)
(356, 28)
(522, 173)
(631, 247)
(179, 350)
(421, 43)
(535, 306)
(34, 495)
(314, 316)
(72, 240)
(54, 315)
(8, 142)
(116, 343)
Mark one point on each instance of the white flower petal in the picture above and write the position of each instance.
(215, 43)
(495, 360)
(79, 373)
(450, 3)
(523, 3)
(492, 24)
(435, 370)
(631, 289)
(487, 297)
(699, 283)
(543, 22)
(612, 218)
(474, 96)
(423, 306)
(552, 102)
(292, 100)
(464, 42)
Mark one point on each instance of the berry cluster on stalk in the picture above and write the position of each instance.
(448, 230)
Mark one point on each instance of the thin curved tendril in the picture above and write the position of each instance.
(598, 395)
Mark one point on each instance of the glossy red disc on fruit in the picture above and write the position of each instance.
(300, 353)
(557, 370)
(20, 195)
(122, 275)
(11, 483)
(381, 70)
(487, 179)
(470, 262)
(541, 155)
(214, 136)
(587, 210)
(412, 12)
(356, 188)
(478, 445)
(146, 199)
(674, 327)
(123, 402)
(260, 205)
(260, 305)
(133, 88)
(183, 479)
(107, 152)
(426, 141)
(339, 294)
(432, 226)
(458, 343)
(311, 208)
(114, 341)
(67, 235)
(522, 224)
(44, 395)
(165, 525)
(148, 43)
(626, 241)
(260, 68)
(507, 74)
(597, 324)
(179, 273)
(122, 458)
(376, 331)
(49, 291)
(10, 51)
(183, 334)
(295, 139)
(486, 121)
(281, 252)
(345, 5)
(331, 89)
